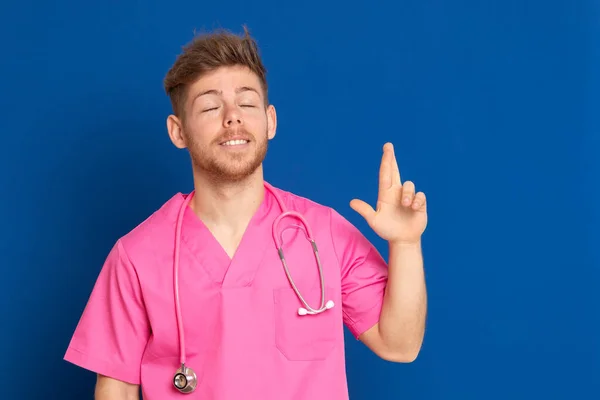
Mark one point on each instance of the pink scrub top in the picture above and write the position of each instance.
(243, 335)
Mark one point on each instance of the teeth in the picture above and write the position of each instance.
(235, 142)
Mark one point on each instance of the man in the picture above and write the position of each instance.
(201, 288)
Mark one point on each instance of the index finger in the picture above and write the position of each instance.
(386, 169)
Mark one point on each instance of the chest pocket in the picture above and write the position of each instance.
(306, 337)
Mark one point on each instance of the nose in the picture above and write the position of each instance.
(232, 117)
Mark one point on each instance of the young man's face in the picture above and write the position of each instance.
(227, 126)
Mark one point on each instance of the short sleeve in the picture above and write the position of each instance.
(363, 272)
(113, 330)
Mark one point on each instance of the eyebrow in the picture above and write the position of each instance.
(219, 92)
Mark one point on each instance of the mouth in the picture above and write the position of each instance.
(235, 142)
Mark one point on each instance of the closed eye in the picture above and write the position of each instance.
(210, 109)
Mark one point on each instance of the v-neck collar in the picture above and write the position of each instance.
(240, 270)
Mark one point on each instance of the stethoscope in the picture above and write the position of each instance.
(185, 379)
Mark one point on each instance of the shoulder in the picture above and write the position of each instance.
(155, 232)
(317, 213)
(304, 205)
(348, 242)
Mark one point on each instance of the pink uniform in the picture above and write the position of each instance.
(243, 335)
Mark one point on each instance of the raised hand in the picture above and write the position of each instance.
(401, 214)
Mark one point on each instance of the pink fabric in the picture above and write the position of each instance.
(243, 335)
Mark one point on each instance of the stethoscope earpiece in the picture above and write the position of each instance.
(185, 380)
(304, 311)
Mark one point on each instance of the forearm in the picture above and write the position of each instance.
(402, 319)
(112, 389)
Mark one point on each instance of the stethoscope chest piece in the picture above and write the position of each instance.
(185, 380)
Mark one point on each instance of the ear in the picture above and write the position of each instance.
(271, 121)
(175, 128)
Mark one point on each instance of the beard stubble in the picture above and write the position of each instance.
(227, 168)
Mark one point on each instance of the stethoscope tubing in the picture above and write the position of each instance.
(278, 243)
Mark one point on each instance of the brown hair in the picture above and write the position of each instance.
(206, 53)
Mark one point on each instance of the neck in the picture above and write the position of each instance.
(226, 204)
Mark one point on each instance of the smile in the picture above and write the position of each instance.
(236, 142)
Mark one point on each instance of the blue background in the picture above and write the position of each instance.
(492, 106)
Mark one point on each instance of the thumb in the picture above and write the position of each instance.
(364, 209)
